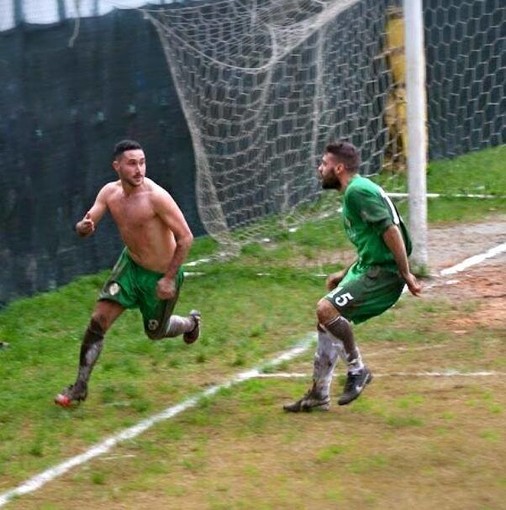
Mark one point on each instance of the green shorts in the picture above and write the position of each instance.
(133, 286)
(366, 292)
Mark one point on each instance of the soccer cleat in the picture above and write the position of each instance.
(70, 396)
(192, 336)
(311, 400)
(355, 384)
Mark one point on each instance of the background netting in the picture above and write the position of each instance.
(265, 84)
(465, 45)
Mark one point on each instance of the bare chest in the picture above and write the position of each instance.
(132, 213)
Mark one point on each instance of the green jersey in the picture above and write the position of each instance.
(367, 213)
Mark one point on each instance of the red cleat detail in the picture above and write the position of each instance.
(63, 400)
(71, 395)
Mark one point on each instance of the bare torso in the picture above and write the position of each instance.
(150, 222)
(150, 242)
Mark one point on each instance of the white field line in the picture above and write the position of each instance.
(476, 259)
(446, 373)
(462, 266)
(105, 446)
(444, 195)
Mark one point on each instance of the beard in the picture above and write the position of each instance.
(331, 182)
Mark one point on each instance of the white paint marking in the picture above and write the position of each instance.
(447, 373)
(444, 195)
(462, 266)
(409, 349)
(41, 479)
(197, 262)
(476, 259)
(50, 474)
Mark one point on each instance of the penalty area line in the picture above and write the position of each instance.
(105, 446)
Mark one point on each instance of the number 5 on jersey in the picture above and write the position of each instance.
(341, 300)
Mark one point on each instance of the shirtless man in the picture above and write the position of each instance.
(148, 273)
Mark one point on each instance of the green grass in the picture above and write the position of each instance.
(476, 173)
(249, 318)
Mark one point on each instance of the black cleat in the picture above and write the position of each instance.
(311, 400)
(354, 386)
(193, 335)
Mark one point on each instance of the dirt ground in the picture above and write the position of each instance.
(450, 245)
(484, 281)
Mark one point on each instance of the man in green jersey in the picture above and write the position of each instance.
(368, 287)
(148, 274)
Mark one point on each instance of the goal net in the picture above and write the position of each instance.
(265, 84)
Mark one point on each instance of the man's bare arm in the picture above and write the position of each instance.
(393, 239)
(87, 225)
(172, 216)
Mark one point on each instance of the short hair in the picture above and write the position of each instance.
(346, 153)
(125, 145)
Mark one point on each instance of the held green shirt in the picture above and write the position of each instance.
(367, 213)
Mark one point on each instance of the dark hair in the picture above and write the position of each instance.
(125, 145)
(346, 153)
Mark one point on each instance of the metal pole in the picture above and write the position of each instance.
(417, 132)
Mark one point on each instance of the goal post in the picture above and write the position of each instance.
(417, 145)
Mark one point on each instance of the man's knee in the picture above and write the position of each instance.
(99, 322)
(326, 311)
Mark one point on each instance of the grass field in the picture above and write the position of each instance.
(428, 432)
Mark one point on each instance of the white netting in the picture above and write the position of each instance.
(265, 84)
